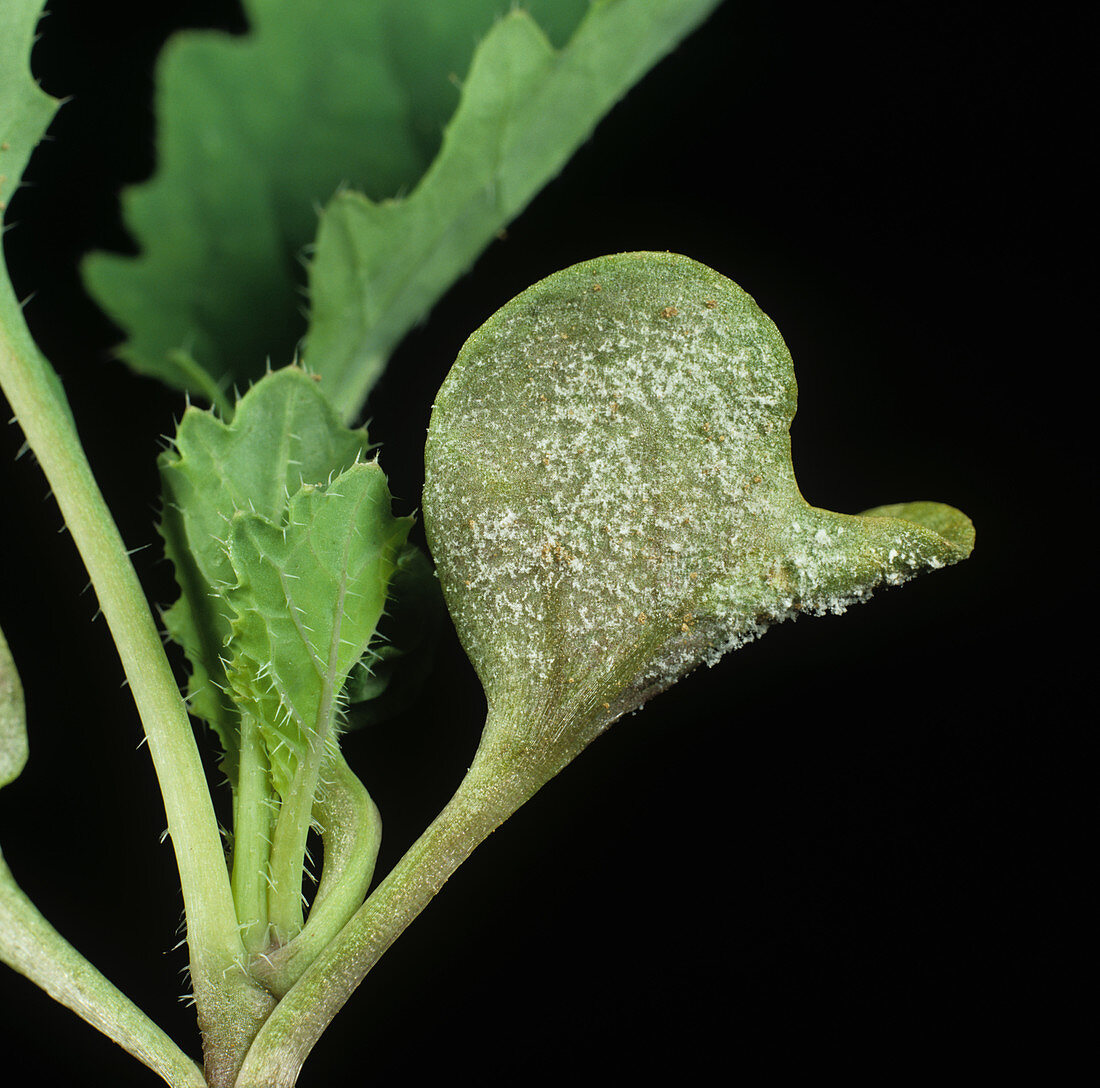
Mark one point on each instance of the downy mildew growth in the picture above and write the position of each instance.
(610, 499)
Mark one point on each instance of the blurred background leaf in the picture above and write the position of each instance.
(257, 132)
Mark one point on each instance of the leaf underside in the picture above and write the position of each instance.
(258, 132)
(610, 499)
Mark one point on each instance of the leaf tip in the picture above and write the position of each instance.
(950, 524)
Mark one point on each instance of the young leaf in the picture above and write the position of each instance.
(308, 597)
(284, 434)
(610, 499)
(257, 132)
(283, 544)
(307, 600)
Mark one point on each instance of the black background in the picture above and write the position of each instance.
(853, 847)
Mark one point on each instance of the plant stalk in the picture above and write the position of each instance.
(253, 805)
(495, 787)
(36, 950)
(229, 1005)
(351, 830)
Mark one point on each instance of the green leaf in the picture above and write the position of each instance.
(13, 719)
(284, 545)
(309, 594)
(284, 434)
(25, 112)
(25, 109)
(610, 500)
(257, 132)
(525, 109)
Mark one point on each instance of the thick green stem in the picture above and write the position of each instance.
(35, 949)
(351, 830)
(228, 1003)
(288, 850)
(495, 786)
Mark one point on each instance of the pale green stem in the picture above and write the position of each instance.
(495, 786)
(30, 945)
(288, 849)
(351, 830)
(228, 1004)
(253, 816)
(288, 844)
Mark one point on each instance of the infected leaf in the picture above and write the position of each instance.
(610, 499)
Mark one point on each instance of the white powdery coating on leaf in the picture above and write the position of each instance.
(610, 498)
(641, 448)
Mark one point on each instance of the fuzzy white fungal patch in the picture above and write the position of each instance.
(609, 485)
